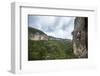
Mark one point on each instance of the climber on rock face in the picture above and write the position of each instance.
(78, 35)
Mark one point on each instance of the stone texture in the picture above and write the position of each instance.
(80, 37)
(38, 36)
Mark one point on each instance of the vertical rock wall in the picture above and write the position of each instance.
(80, 37)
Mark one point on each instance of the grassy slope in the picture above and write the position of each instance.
(51, 49)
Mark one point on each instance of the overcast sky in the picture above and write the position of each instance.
(60, 27)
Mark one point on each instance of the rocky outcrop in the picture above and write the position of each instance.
(35, 34)
(80, 37)
(38, 36)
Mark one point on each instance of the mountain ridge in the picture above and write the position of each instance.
(36, 34)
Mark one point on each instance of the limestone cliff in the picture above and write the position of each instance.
(80, 37)
(35, 34)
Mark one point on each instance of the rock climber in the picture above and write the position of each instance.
(78, 35)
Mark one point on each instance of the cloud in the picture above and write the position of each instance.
(56, 26)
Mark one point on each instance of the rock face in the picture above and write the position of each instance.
(38, 36)
(35, 34)
(80, 37)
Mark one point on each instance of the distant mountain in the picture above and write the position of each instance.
(35, 34)
(55, 38)
(34, 31)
